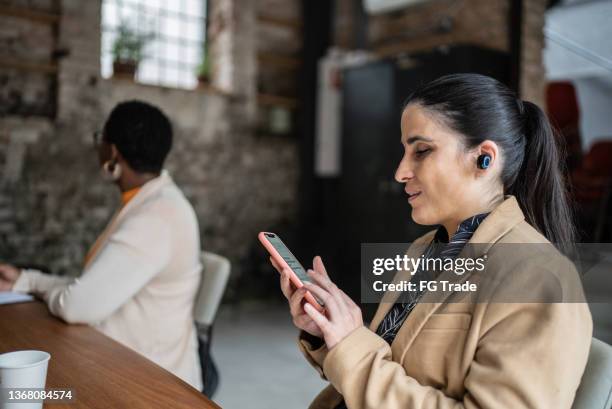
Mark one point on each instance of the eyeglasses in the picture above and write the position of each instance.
(97, 138)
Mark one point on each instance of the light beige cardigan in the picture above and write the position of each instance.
(139, 288)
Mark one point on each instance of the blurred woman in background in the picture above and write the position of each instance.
(140, 277)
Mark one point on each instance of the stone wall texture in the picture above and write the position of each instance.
(533, 75)
(53, 202)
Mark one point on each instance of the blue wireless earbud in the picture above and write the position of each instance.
(483, 161)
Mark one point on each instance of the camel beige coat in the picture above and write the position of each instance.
(472, 355)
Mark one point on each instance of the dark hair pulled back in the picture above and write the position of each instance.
(481, 108)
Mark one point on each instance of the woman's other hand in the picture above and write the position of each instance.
(8, 275)
(342, 316)
(295, 298)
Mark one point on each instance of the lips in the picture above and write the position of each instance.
(412, 195)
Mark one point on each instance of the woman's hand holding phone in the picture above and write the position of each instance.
(295, 297)
(342, 316)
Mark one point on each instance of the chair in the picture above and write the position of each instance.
(215, 274)
(564, 114)
(592, 184)
(595, 390)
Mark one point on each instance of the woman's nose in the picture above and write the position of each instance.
(403, 173)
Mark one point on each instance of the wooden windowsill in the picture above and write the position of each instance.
(29, 14)
(279, 61)
(209, 88)
(292, 24)
(201, 88)
(277, 100)
(47, 68)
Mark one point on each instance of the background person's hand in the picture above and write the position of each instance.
(8, 275)
(342, 317)
(295, 297)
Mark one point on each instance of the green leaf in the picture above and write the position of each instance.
(129, 44)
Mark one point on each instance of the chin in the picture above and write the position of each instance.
(421, 216)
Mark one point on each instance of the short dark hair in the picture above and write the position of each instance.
(142, 134)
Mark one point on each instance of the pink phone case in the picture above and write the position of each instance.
(292, 276)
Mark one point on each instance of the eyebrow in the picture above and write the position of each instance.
(417, 138)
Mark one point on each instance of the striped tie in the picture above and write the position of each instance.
(396, 317)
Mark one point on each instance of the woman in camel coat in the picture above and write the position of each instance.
(483, 164)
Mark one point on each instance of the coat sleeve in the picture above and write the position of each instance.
(133, 255)
(314, 350)
(529, 356)
(36, 282)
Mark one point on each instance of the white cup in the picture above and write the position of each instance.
(23, 369)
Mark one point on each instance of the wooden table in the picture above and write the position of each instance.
(102, 372)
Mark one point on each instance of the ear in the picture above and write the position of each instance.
(490, 148)
(115, 155)
(118, 158)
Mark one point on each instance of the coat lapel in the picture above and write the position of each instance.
(147, 190)
(417, 248)
(501, 220)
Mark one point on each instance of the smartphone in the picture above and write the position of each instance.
(284, 258)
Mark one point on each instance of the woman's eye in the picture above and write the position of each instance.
(422, 152)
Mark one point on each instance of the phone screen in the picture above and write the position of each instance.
(289, 258)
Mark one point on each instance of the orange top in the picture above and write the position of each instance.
(125, 198)
(128, 195)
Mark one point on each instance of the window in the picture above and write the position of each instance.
(172, 33)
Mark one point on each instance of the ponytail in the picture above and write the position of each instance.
(481, 108)
(540, 187)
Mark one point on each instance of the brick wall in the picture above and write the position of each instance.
(31, 42)
(533, 75)
(53, 209)
(441, 22)
(481, 22)
(53, 203)
(279, 45)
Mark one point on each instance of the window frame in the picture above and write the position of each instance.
(157, 68)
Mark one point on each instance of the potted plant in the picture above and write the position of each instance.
(128, 51)
(203, 71)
